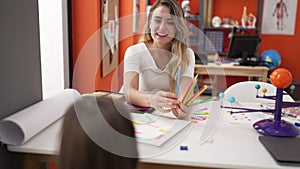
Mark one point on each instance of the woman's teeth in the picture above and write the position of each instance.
(162, 34)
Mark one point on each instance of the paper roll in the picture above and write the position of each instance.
(25, 124)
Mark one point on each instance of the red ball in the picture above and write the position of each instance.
(281, 78)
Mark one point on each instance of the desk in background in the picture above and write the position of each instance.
(229, 69)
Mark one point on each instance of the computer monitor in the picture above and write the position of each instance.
(244, 47)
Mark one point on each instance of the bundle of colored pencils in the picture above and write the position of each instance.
(188, 99)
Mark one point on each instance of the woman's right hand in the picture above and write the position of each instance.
(163, 101)
(182, 111)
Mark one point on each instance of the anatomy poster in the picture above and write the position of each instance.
(279, 17)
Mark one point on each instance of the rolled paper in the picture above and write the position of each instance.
(25, 124)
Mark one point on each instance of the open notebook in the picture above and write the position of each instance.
(154, 129)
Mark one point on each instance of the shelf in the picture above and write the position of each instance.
(229, 28)
(193, 18)
(199, 44)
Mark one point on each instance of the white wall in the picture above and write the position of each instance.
(53, 46)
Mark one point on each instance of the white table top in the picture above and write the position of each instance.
(230, 146)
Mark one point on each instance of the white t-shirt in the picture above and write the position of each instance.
(139, 59)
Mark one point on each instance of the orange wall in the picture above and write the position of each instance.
(86, 21)
(85, 24)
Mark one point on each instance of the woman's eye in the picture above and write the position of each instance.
(171, 23)
(157, 21)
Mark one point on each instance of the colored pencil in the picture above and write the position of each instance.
(199, 92)
(190, 89)
(178, 80)
(200, 102)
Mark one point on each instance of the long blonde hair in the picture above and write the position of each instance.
(180, 42)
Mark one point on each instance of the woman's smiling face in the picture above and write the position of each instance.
(162, 26)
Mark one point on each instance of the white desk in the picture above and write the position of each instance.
(231, 146)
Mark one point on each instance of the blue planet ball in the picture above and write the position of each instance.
(271, 58)
(221, 95)
(231, 99)
(257, 86)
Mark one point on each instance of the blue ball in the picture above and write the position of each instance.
(231, 99)
(271, 58)
(221, 95)
(257, 86)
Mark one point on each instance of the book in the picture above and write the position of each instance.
(155, 130)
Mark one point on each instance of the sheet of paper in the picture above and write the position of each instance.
(249, 117)
(154, 129)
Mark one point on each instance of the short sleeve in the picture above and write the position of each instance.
(131, 63)
(190, 68)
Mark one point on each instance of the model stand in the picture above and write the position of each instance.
(280, 78)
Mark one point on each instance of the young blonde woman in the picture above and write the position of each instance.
(153, 67)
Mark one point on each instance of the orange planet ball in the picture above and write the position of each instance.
(264, 90)
(281, 78)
